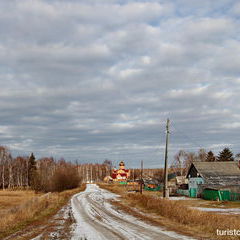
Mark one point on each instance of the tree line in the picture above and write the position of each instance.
(183, 159)
(46, 174)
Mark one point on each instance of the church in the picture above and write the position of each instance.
(120, 174)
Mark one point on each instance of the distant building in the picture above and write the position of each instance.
(176, 182)
(120, 174)
(214, 176)
(151, 185)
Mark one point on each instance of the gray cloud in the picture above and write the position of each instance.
(91, 80)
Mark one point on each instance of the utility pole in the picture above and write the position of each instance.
(141, 183)
(91, 175)
(88, 173)
(165, 188)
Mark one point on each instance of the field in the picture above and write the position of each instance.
(10, 199)
(20, 209)
(178, 215)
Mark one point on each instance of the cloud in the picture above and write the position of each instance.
(97, 79)
(235, 125)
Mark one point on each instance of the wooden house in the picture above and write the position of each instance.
(213, 175)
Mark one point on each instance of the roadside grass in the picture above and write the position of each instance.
(116, 188)
(177, 215)
(199, 202)
(31, 210)
(210, 204)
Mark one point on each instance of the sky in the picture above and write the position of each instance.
(97, 79)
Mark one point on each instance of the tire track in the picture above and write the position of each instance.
(98, 220)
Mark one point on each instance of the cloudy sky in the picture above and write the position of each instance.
(97, 79)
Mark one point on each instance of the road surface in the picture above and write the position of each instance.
(97, 219)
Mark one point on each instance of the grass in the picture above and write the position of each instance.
(10, 198)
(210, 204)
(179, 216)
(26, 208)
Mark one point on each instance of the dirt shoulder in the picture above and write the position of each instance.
(53, 227)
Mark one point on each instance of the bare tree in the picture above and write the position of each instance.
(202, 155)
(178, 165)
(5, 158)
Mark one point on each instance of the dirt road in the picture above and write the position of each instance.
(97, 219)
(91, 216)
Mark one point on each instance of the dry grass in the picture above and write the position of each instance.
(177, 212)
(116, 188)
(200, 223)
(32, 209)
(9, 198)
(209, 204)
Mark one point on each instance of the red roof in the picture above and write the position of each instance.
(114, 175)
(123, 174)
(116, 172)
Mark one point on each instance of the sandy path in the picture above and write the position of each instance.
(97, 219)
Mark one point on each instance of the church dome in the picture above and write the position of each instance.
(121, 163)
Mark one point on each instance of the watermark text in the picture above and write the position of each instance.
(228, 232)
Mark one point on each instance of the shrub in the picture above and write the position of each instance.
(65, 178)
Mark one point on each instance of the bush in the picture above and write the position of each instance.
(65, 178)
